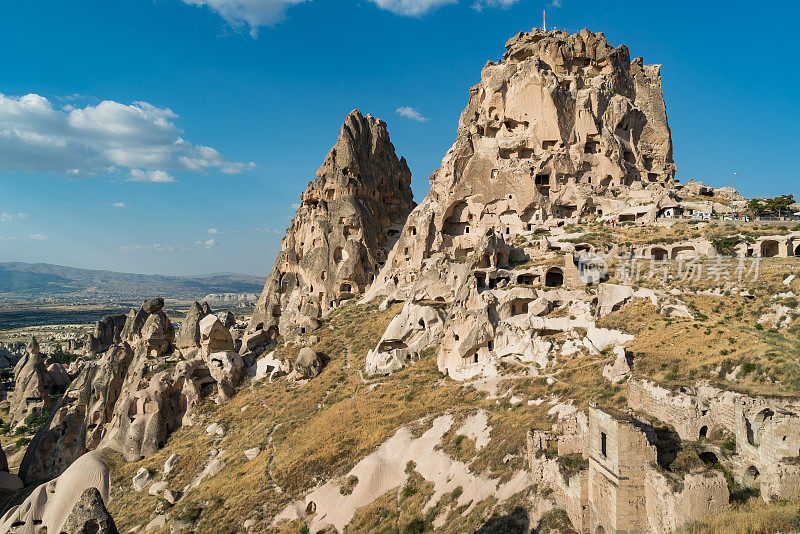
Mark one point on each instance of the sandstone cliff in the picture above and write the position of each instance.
(563, 126)
(347, 222)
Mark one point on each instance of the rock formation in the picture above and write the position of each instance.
(416, 328)
(106, 332)
(149, 327)
(188, 336)
(563, 126)
(214, 337)
(135, 395)
(66, 504)
(348, 220)
(308, 363)
(32, 385)
(89, 516)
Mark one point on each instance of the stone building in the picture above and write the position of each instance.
(622, 489)
(619, 456)
(768, 445)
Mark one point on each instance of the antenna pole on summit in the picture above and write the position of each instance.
(544, 20)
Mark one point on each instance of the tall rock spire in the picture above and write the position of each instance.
(348, 220)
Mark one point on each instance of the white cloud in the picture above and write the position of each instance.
(158, 177)
(120, 205)
(248, 13)
(480, 5)
(139, 140)
(212, 231)
(411, 113)
(4, 238)
(38, 237)
(9, 217)
(295, 206)
(411, 8)
(208, 244)
(267, 230)
(157, 247)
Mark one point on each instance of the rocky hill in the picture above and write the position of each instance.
(348, 220)
(32, 281)
(548, 343)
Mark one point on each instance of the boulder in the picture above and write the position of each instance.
(621, 368)
(141, 479)
(308, 363)
(226, 369)
(157, 487)
(89, 516)
(152, 306)
(169, 465)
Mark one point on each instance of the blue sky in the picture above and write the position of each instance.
(174, 136)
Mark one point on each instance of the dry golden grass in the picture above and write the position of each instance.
(317, 430)
(753, 517)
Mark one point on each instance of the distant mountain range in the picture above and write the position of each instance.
(36, 281)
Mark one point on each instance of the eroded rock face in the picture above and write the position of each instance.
(77, 424)
(134, 396)
(89, 515)
(107, 331)
(214, 336)
(188, 336)
(416, 328)
(151, 329)
(348, 220)
(66, 503)
(32, 385)
(563, 126)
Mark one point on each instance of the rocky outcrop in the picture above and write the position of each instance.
(188, 336)
(79, 420)
(308, 363)
(416, 328)
(135, 395)
(214, 336)
(32, 386)
(348, 220)
(107, 331)
(61, 504)
(563, 126)
(89, 516)
(149, 327)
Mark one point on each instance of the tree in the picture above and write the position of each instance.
(771, 206)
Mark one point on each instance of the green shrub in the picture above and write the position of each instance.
(415, 526)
